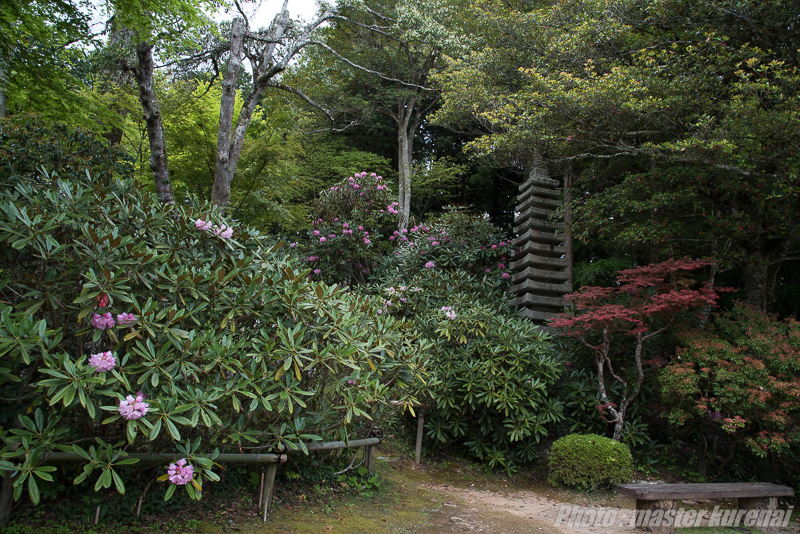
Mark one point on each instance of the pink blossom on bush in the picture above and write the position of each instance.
(101, 322)
(225, 232)
(322, 239)
(450, 315)
(126, 318)
(203, 225)
(316, 232)
(133, 408)
(102, 361)
(506, 276)
(430, 265)
(317, 271)
(180, 473)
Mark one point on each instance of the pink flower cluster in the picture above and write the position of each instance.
(102, 361)
(180, 473)
(101, 322)
(430, 265)
(224, 231)
(449, 312)
(126, 318)
(133, 408)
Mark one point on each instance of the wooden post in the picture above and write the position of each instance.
(650, 516)
(761, 506)
(369, 458)
(420, 428)
(267, 486)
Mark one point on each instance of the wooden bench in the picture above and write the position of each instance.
(655, 502)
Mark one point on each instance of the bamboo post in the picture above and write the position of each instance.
(420, 428)
(267, 487)
(369, 458)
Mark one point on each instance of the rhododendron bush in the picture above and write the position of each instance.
(128, 326)
(343, 245)
(491, 372)
(738, 382)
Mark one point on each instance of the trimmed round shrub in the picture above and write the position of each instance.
(589, 461)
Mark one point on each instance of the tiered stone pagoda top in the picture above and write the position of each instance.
(541, 260)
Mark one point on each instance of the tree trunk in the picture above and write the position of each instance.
(267, 69)
(756, 283)
(223, 174)
(155, 127)
(3, 108)
(6, 498)
(405, 153)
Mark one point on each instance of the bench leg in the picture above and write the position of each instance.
(760, 508)
(655, 516)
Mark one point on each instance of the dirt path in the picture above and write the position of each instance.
(452, 497)
(470, 510)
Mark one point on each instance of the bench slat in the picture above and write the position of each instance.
(657, 492)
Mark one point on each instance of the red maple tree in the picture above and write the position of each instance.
(644, 302)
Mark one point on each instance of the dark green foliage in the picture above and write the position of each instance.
(29, 144)
(589, 462)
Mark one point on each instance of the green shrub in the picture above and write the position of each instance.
(229, 347)
(492, 373)
(589, 461)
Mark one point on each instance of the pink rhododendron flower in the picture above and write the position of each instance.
(313, 258)
(322, 239)
(494, 247)
(102, 361)
(101, 322)
(180, 473)
(488, 270)
(430, 265)
(133, 408)
(126, 318)
(367, 241)
(203, 225)
(506, 276)
(450, 315)
(501, 266)
(316, 232)
(317, 271)
(225, 232)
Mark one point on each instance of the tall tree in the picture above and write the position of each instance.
(35, 56)
(679, 117)
(393, 38)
